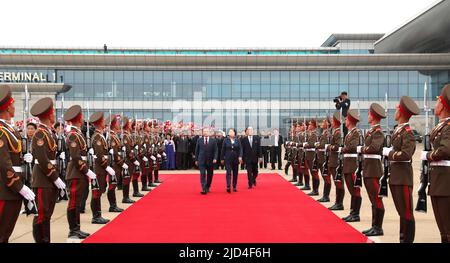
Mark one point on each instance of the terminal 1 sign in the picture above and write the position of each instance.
(26, 77)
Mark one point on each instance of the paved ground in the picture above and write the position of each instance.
(426, 228)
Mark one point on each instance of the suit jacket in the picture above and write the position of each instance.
(205, 154)
(253, 152)
(230, 150)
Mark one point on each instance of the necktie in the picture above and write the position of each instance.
(206, 140)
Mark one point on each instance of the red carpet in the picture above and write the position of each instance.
(275, 211)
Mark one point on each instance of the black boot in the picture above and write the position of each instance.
(315, 191)
(126, 194)
(74, 226)
(112, 202)
(38, 231)
(326, 193)
(157, 177)
(338, 205)
(409, 231)
(354, 210)
(136, 189)
(98, 219)
(445, 238)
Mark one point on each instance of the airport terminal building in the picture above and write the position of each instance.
(264, 88)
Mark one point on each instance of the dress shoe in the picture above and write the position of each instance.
(337, 207)
(306, 187)
(374, 231)
(229, 191)
(82, 211)
(137, 194)
(76, 234)
(157, 181)
(84, 233)
(152, 185)
(299, 184)
(292, 181)
(313, 193)
(127, 201)
(145, 189)
(324, 199)
(203, 192)
(234, 190)
(115, 209)
(99, 220)
(367, 231)
(352, 218)
(250, 187)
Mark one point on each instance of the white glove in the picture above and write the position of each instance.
(111, 151)
(91, 151)
(340, 149)
(136, 163)
(27, 193)
(326, 147)
(153, 158)
(125, 166)
(136, 147)
(153, 145)
(62, 156)
(164, 154)
(386, 151)
(304, 144)
(60, 184)
(91, 175)
(159, 155)
(358, 149)
(124, 148)
(423, 156)
(28, 157)
(110, 171)
(316, 144)
(145, 159)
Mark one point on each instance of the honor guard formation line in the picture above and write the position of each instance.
(104, 153)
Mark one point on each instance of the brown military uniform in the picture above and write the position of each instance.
(11, 179)
(128, 143)
(310, 154)
(138, 151)
(118, 161)
(372, 172)
(333, 163)
(439, 173)
(323, 140)
(101, 162)
(44, 149)
(401, 176)
(301, 167)
(76, 176)
(351, 142)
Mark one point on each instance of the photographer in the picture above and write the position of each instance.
(343, 102)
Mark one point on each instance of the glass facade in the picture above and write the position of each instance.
(298, 93)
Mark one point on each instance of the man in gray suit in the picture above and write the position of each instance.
(206, 154)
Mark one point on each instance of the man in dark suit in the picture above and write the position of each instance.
(206, 154)
(275, 150)
(252, 154)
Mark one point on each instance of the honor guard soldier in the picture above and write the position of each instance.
(287, 155)
(12, 189)
(145, 164)
(101, 166)
(302, 172)
(130, 159)
(138, 153)
(373, 170)
(401, 176)
(439, 159)
(321, 160)
(117, 162)
(45, 178)
(349, 150)
(333, 162)
(78, 173)
(310, 153)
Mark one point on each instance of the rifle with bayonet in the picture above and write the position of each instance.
(339, 169)
(110, 149)
(125, 172)
(137, 168)
(383, 191)
(30, 206)
(325, 171)
(424, 171)
(90, 153)
(359, 170)
(61, 154)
